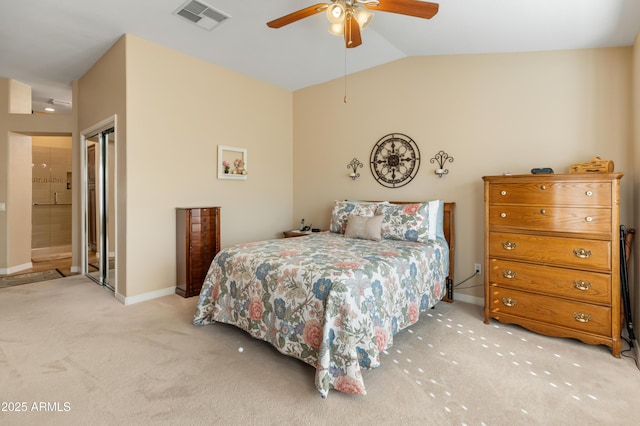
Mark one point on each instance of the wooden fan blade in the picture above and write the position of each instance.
(419, 9)
(351, 32)
(297, 15)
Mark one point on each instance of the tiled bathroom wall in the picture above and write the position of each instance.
(51, 194)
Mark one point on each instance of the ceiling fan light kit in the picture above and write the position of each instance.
(336, 12)
(363, 16)
(340, 10)
(336, 29)
(342, 14)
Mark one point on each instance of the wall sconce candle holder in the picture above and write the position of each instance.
(441, 158)
(353, 165)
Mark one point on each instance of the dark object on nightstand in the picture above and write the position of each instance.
(198, 242)
(542, 171)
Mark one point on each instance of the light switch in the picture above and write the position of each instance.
(3, 207)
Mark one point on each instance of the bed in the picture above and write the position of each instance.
(335, 299)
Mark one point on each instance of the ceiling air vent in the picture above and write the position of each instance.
(201, 14)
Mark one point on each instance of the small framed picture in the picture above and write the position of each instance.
(232, 162)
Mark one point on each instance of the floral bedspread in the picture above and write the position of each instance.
(330, 301)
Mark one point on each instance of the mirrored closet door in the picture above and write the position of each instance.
(99, 224)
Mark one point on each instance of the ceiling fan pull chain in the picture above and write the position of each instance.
(345, 75)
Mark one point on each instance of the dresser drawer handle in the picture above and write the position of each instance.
(582, 317)
(510, 302)
(589, 193)
(543, 187)
(543, 211)
(508, 245)
(582, 285)
(503, 192)
(503, 215)
(582, 253)
(509, 274)
(588, 219)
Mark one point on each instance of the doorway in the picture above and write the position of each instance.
(98, 224)
(51, 211)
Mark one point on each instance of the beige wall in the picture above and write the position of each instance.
(5, 101)
(493, 113)
(101, 96)
(19, 201)
(19, 97)
(175, 111)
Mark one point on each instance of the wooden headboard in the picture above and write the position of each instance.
(449, 235)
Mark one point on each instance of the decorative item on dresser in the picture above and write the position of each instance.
(198, 241)
(553, 255)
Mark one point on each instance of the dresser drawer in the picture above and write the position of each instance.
(575, 315)
(555, 219)
(560, 251)
(575, 284)
(207, 215)
(549, 192)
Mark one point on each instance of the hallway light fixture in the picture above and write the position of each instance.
(59, 102)
(52, 102)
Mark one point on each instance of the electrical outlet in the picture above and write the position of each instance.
(477, 268)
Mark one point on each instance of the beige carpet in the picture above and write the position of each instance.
(76, 356)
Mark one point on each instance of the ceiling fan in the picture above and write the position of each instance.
(349, 17)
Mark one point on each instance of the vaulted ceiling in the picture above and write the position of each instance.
(49, 43)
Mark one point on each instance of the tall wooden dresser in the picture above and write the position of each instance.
(198, 241)
(552, 252)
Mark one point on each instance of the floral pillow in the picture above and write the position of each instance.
(412, 222)
(342, 210)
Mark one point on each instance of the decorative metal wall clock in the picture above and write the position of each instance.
(395, 160)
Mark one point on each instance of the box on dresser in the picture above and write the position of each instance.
(552, 254)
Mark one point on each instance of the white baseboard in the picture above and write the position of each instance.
(468, 299)
(14, 269)
(145, 296)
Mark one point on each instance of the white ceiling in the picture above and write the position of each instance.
(49, 43)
